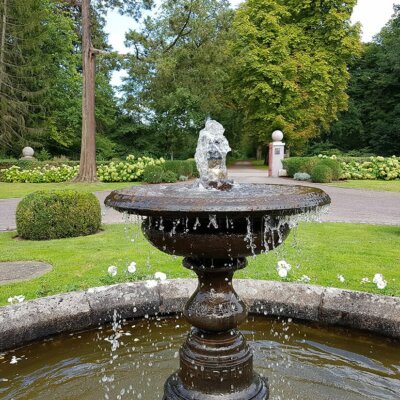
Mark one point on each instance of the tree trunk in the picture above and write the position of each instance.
(87, 166)
(2, 50)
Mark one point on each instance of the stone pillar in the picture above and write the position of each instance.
(276, 155)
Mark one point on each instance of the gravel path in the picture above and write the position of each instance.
(348, 205)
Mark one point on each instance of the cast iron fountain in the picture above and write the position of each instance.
(215, 224)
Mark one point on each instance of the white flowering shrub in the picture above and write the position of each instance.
(386, 168)
(358, 168)
(46, 174)
(129, 170)
(126, 171)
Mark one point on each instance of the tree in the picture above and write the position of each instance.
(27, 47)
(179, 70)
(87, 166)
(290, 65)
(375, 96)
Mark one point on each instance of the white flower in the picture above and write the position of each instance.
(341, 278)
(379, 281)
(16, 299)
(132, 267)
(305, 279)
(282, 272)
(283, 268)
(160, 275)
(112, 270)
(151, 283)
(365, 280)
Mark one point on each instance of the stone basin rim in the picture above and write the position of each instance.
(181, 200)
(38, 319)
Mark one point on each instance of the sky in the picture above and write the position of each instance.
(373, 15)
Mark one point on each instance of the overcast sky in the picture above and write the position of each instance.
(373, 15)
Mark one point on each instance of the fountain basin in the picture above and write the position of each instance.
(70, 366)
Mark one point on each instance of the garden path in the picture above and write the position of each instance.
(348, 205)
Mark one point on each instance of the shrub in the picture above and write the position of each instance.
(169, 177)
(132, 169)
(309, 164)
(301, 176)
(322, 174)
(43, 155)
(153, 174)
(334, 165)
(182, 167)
(58, 214)
(47, 174)
(293, 165)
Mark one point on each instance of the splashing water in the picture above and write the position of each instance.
(211, 151)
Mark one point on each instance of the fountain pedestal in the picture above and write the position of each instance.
(215, 361)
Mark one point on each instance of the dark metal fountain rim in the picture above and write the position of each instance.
(183, 200)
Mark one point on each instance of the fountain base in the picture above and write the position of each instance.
(215, 360)
(175, 390)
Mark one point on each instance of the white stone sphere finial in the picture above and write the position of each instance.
(277, 136)
(28, 152)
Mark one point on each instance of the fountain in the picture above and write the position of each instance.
(215, 224)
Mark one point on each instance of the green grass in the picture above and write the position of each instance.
(389, 186)
(12, 190)
(324, 251)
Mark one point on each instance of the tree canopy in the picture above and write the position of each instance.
(373, 119)
(290, 67)
(177, 74)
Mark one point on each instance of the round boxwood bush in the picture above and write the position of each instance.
(334, 166)
(169, 177)
(153, 174)
(322, 174)
(58, 214)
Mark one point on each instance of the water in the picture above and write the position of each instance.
(303, 362)
(211, 151)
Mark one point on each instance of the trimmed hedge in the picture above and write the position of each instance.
(182, 167)
(58, 214)
(153, 174)
(322, 173)
(169, 177)
(307, 165)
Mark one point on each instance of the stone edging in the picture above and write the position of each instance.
(69, 312)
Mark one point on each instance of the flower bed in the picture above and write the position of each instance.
(129, 170)
(361, 168)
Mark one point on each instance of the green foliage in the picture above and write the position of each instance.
(169, 177)
(181, 168)
(290, 65)
(373, 118)
(179, 73)
(43, 155)
(300, 164)
(58, 214)
(322, 173)
(153, 174)
(334, 165)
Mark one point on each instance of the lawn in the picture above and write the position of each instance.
(389, 186)
(323, 252)
(12, 190)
